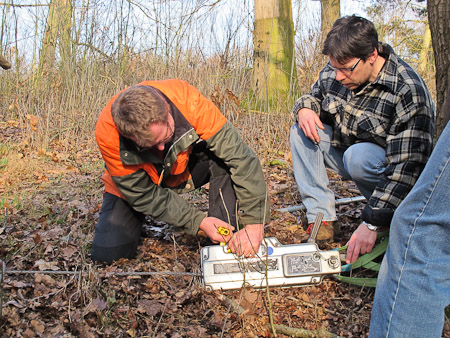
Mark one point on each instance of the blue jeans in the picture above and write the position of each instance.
(310, 161)
(413, 286)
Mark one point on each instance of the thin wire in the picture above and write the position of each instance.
(106, 274)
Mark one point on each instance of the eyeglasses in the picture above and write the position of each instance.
(169, 136)
(346, 70)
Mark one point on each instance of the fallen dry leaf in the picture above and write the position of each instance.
(43, 265)
(38, 326)
(150, 307)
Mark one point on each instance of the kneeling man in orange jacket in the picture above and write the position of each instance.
(160, 139)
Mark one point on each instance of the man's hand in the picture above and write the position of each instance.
(246, 241)
(308, 121)
(361, 242)
(211, 225)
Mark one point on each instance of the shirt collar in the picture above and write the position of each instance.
(388, 75)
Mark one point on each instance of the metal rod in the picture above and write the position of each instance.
(341, 201)
(100, 273)
(316, 227)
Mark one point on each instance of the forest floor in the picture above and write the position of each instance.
(51, 288)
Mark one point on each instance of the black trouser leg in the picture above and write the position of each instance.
(222, 198)
(206, 167)
(117, 232)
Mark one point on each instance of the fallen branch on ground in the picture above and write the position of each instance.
(302, 333)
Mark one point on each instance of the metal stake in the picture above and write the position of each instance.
(316, 227)
(341, 201)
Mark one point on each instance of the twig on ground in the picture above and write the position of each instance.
(312, 305)
(302, 333)
(231, 306)
(160, 318)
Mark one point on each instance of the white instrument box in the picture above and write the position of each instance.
(280, 265)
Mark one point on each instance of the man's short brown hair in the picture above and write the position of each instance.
(136, 108)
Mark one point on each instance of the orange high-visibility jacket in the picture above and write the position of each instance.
(151, 184)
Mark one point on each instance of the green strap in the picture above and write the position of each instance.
(366, 262)
(369, 257)
(374, 266)
(369, 282)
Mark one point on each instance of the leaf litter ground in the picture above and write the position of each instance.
(48, 225)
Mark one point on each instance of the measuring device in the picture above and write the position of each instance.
(275, 265)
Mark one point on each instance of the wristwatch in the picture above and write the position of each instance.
(370, 226)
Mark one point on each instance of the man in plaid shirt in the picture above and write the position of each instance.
(370, 118)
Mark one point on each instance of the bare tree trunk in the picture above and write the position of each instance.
(439, 20)
(423, 58)
(330, 12)
(59, 25)
(274, 69)
(446, 112)
(65, 32)
(48, 50)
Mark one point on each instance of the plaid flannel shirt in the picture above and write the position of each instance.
(395, 111)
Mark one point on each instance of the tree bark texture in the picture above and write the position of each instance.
(423, 58)
(274, 69)
(330, 12)
(439, 20)
(59, 24)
